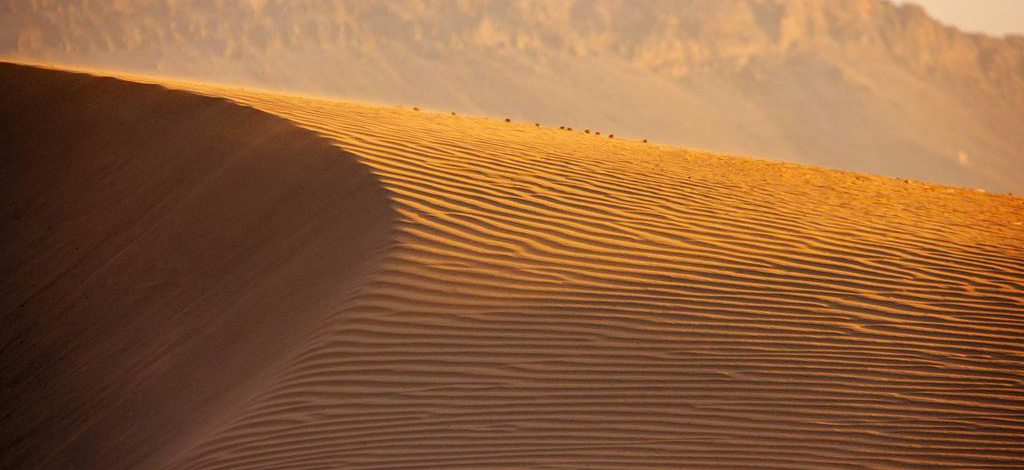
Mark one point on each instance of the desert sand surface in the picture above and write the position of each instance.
(198, 277)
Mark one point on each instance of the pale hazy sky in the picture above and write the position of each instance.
(996, 17)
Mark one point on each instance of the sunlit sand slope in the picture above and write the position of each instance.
(159, 249)
(563, 300)
(553, 299)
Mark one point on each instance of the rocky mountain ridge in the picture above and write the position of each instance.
(857, 84)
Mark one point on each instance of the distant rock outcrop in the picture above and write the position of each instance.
(856, 84)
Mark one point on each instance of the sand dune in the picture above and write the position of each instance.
(544, 298)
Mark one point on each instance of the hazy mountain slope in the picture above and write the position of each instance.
(856, 84)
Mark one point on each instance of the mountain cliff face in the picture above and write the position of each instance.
(856, 84)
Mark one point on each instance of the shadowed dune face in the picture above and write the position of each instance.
(159, 250)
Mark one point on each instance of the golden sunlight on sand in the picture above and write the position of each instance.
(215, 278)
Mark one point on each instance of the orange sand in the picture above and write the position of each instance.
(195, 284)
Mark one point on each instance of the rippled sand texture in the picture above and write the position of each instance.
(554, 299)
(558, 299)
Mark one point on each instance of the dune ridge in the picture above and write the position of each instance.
(554, 299)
